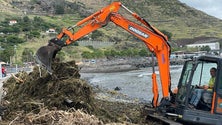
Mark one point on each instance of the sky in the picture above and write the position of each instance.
(211, 7)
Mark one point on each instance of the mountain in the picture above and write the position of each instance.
(169, 15)
(7, 10)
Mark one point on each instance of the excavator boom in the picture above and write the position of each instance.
(155, 41)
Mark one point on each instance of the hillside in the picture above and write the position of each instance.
(170, 15)
(7, 10)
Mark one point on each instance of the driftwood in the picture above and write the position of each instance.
(57, 117)
(17, 79)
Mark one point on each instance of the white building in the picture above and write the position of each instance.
(51, 30)
(213, 46)
(12, 22)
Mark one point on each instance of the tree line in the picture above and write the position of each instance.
(24, 30)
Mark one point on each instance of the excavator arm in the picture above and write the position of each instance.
(155, 41)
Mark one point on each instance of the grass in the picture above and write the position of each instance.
(69, 53)
(33, 45)
(184, 22)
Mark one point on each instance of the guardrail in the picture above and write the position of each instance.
(16, 69)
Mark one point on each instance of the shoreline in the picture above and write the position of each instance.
(108, 69)
(120, 64)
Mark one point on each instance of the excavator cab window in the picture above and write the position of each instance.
(183, 82)
(201, 74)
(194, 75)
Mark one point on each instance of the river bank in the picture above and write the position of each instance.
(120, 64)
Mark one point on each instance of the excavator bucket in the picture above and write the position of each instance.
(45, 54)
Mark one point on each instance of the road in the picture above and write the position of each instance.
(1, 84)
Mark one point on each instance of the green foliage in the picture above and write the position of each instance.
(26, 19)
(2, 39)
(75, 44)
(87, 55)
(107, 53)
(192, 49)
(30, 27)
(33, 34)
(98, 53)
(143, 52)
(90, 47)
(161, 14)
(25, 24)
(64, 7)
(10, 29)
(96, 34)
(7, 53)
(114, 53)
(26, 28)
(205, 48)
(59, 9)
(173, 49)
(127, 52)
(95, 54)
(168, 34)
(37, 20)
(13, 40)
(61, 55)
(131, 52)
(27, 55)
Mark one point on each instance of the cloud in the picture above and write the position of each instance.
(211, 7)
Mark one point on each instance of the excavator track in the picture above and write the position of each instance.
(154, 114)
(163, 119)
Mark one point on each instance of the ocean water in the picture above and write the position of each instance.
(136, 84)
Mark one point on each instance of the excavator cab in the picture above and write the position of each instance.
(196, 73)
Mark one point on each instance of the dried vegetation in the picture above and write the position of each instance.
(61, 99)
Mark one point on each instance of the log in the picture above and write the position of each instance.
(17, 79)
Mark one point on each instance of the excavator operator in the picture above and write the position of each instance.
(200, 89)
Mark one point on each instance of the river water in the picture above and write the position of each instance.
(136, 84)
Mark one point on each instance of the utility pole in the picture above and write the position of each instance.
(15, 56)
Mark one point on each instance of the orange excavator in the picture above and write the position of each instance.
(195, 71)
(156, 41)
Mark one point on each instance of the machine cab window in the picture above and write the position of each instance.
(202, 74)
(197, 83)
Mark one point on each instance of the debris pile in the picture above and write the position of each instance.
(37, 90)
(61, 99)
